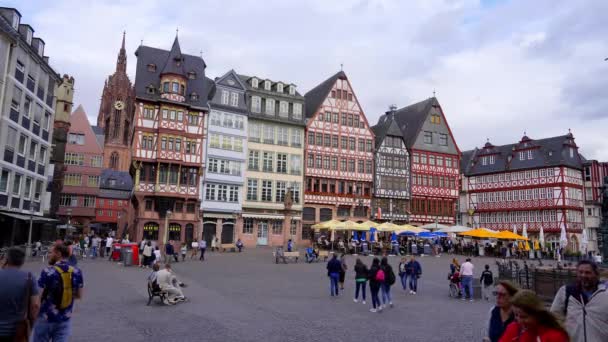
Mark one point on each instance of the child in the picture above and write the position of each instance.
(156, 255)
(486, 280)
(184, 250)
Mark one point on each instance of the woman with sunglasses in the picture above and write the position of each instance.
(533, 322)
(501, 315)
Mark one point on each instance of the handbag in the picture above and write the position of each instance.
(24, 326)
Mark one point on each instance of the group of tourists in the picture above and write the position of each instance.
(379, 275)
(38, 310)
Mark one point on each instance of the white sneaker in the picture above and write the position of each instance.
(413, 292)
(373, 310)
(363, 302)
(391, 304)
(470, 300)
(380, 308)
(355, 300)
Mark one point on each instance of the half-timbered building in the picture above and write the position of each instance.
(339, 154)
(391, 195)
(434, 159)
(172, 95)
(272, 205)
(222, 192)
(537, 183)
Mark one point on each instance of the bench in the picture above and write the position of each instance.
(155, 291)
(228, 246)
(287, 255)
(324, 255)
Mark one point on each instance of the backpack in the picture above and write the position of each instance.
(62, 296)
(390, 277)
(379, 276)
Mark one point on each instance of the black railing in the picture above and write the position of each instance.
(544, 281)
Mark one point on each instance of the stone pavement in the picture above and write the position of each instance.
(247, 297)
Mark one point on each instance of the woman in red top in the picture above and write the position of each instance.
(533, 323)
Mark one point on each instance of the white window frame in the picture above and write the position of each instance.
(267, 85)
(225, 97)
(270, 107)
(254, 82)
(279, 87)
(234, 99)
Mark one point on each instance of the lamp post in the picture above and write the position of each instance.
(28, 248)
(167, 214)
(68, 211)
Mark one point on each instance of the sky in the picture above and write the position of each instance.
(499, 68)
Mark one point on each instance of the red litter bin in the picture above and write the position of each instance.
(134, 248)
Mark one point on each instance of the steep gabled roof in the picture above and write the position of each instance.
(318, 94)
(412, 117)
(174, 63)
(387, 125)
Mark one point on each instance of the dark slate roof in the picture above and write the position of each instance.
(201, 85)
(387, 125)
(123, 180)
(546, 152)
(99, 134)
(412, 117)
(318, 94)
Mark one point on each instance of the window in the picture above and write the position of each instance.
(222, 193)
(4, 181)
(351, 165)
(361, 145)
(234, 99)
(279, 87)
(254, 160)
(27, 191)
(522, 155)
(293, 228)
(22, 144)
(428, 137)
(248, 226)
(210, 192)
(256, 104)
(281, 163)
(297, 111)
(342, 164)
(68, 200)
(436, 119)
(369, 145)
(270, 106)
(252, 189)
(296, 137)
(267, 161)
(352, 143)
(89, 201)
(267, 191)
(283, 136)
(277, 227)
(16, 190)
(295, 192)
(268, 134)
(193, 119)
(310, 161)
(254, 82)
(283, 109)
(76, 138)
(73, 179)
(33, 148)
(529, 154)
(327, 140)
(71, 158)
(443, 139)
(281, 189)
(38, 190)
(175, 87)
(16, 100)
(295, 164)
(266, 85)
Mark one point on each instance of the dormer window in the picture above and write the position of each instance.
(254, 82)
(194, 96)
(165, 87)
(522, 155)
(292, 90)
(150, 89)
(152, 67)
(192, 75)
(266, 85)
(15, 22)
(492, 159)
(279, 87)
(484, 161)
(529, 154)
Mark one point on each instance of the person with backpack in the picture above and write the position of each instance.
(334, 267)
(376, 280)
(413, 270)
(60, 283)
(584, 305)
(361, 274)
(486, 280)
(390, 281)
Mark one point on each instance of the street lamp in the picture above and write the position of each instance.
(28, 248)
(167, 214)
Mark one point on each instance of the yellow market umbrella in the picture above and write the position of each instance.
(369, 224)
(325, 224)
(478, 233)
(410, 228)
(527, 246)
(536, 245)
(520, 245)
(348, 225)
(508, 235)
(388, 227)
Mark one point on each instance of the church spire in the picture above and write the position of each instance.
(121, 63)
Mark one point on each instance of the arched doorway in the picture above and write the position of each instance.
(189, 233)
(151, 231)
(209, 231)
(228, 231)
(175, 232)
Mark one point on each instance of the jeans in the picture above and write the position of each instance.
(333, 285)
(467, 286)
(386, 293)
(486, 291)
(404, 280)
(374, 291)
(414, 283)
(48, 331)
(94, 252)
(202, 257)
(360, 284)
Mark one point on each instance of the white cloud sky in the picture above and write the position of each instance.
(499, 67)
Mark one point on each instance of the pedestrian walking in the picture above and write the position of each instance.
(202, 245)
(376, 280)
(194, 252)
(486, 280)
(147, 253)
(157, 255)
(466, 279)
(334, 267)
(501, 314)
(414, 271)
(109, 241)
(19, 298)
(342, 271)
(214, 243)
(584, 305)
(60, 283)
(184, 251)
(361, 274)
(390, 281)
(402, 273)
(533, 322)
(170, 252)
(94, 246)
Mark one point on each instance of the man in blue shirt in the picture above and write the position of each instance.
(60, 284)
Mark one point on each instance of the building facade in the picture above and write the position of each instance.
(83, 165)
(593, 180)
(339, 154)
(116, 115)
(113, 201)
(27, 100)
(434, 159)
(272, 204)
(222, 192)
(392, 187)
(536, 183)
(167, 164)
(61, 126)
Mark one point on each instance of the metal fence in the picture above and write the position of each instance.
(544, 281)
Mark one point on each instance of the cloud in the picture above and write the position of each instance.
(499, 67)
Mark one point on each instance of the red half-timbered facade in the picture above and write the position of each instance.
(536, 183)
(167, 145)
(339, 154)
(434, 160)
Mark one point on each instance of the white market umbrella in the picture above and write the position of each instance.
(514, 229)
(563, 238)
(525, 231)
(454, 229)
(584, 240)
(541, 237)
(434, 226)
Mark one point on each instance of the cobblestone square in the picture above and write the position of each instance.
(247, 297)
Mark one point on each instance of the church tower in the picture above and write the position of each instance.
(116, 115)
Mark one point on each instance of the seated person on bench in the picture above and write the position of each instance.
(239, 245)
(290, 245)
(311, 255)
(280, 255)
(169, 283)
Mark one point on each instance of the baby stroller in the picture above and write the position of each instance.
(454, 279)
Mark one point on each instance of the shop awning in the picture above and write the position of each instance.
(264, 216)
(218, 215)
(34, 218)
